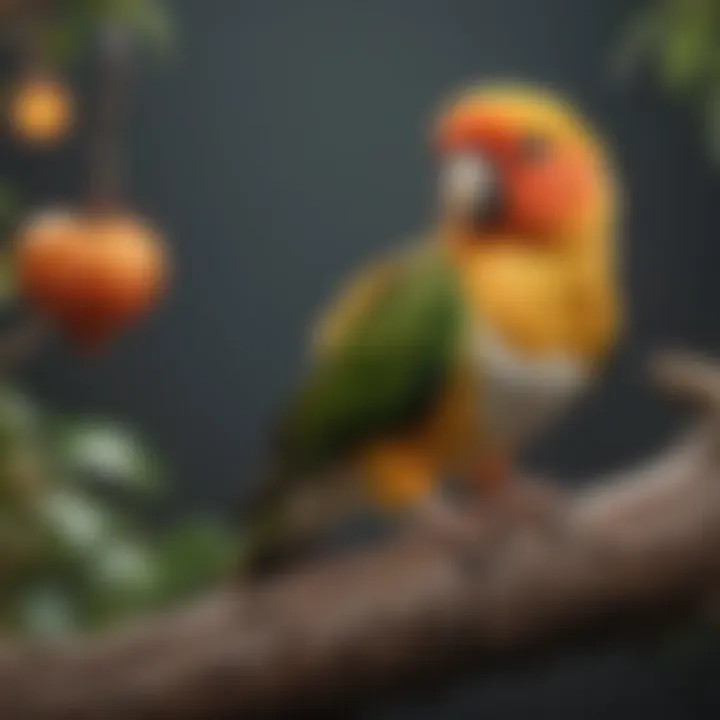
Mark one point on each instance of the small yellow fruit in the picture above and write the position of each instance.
(42, 111)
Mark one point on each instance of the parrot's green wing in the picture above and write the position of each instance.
(382, 358)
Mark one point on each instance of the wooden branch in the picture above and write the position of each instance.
(640, 547)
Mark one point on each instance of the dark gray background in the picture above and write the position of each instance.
(286, 143)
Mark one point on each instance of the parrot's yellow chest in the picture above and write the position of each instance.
(525, 296)
(525, 350)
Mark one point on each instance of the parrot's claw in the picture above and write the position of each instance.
(539, 506)
(459, 532)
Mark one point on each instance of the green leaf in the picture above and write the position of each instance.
(688, 45)
(120, 579)
(154, 23)
(193, 557)
(150, 20)
(122, 565)
(70, 33)
(680, 40)
(73, 30)
(75, 521)
(47, 612)
(108, 454)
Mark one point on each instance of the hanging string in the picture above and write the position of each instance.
(106, 152)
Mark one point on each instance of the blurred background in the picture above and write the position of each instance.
(280, 143)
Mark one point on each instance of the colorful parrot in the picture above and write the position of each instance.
(445, 358)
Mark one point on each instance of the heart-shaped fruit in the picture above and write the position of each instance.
(41, 111)
(92, 275)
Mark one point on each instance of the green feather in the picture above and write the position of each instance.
(384, 369)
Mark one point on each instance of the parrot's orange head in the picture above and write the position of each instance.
(518, 163)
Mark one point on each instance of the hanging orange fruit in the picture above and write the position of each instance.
(42, 111)
(93, 275)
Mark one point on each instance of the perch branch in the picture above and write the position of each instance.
(641, 547)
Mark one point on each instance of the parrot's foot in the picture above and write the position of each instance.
(512, 500)
(539, 506)
(544, 508)
(460, 532)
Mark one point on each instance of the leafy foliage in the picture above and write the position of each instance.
(76, 548)
(679, 42)
(76, 551)
(74, 557)
(70, 32)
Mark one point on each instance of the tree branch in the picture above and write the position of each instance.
(641, 547)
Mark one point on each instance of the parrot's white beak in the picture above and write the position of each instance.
(469, 189)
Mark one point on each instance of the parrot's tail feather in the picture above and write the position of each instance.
(286, 522)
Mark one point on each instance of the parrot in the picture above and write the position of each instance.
(445, 357)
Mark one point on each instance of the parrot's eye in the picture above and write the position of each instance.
(535, 148)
